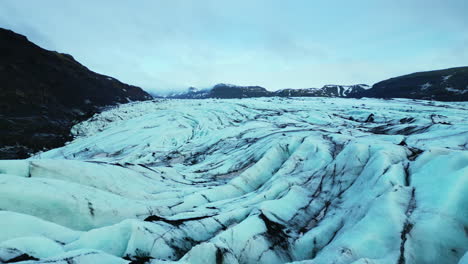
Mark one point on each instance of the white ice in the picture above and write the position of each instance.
(266, 180)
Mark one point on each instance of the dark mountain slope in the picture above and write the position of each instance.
(43, 93)
(443, 85)
(233, 91)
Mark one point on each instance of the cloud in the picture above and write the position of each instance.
(170, 45)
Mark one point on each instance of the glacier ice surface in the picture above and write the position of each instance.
(265, 180)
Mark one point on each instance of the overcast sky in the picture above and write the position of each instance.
(173, 44)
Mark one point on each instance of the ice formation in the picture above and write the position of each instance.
(304, 180)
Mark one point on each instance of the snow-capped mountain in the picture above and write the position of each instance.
(44, 93)
(223, 90)
(344, 90)
(330, 90)
(443, 85)
(191, 93)
(262, 180)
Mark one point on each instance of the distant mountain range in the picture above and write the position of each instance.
(223, 90)
(442, 85)
(43, 93)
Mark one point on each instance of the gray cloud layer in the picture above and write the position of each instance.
(170, 45)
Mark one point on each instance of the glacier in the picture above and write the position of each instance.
(264, 180)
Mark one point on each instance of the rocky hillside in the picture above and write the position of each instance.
(442, 85)
(43, 93)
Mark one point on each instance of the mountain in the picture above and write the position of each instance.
(227, 91)
(191, 93)
(330, 90)
(233, 91)
(257, 180)
(222, 90)
(442, 85)
(43, 93)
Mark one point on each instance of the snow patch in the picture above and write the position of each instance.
(450, 89)
(446, 77)
(425, 86)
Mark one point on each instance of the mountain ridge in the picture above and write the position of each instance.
(449, 84)
(223, 90)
